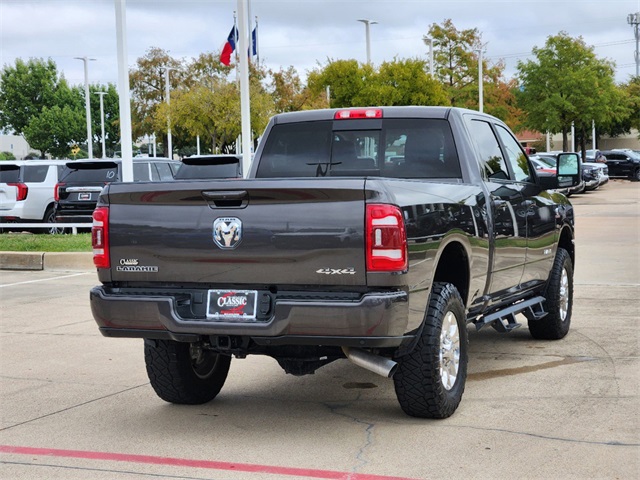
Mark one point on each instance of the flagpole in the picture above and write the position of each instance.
(257, 43)
(245, 109)
(235, 29)
(249, 30)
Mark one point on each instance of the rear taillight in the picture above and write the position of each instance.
(386, 239)
(100, 237)
(21, 191)
(56, 191)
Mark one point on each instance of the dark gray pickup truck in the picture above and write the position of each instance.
(370, 234)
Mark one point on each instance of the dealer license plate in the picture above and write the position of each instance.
(84, 196)
(232, 305)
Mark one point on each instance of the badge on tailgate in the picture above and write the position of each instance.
(227, 232)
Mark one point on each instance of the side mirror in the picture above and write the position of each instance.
(569, 170)
(569, 173)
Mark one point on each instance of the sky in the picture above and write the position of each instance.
(305, 33)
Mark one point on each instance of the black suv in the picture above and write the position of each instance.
(81, 182)
(623, 163)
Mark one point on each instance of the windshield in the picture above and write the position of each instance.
(399, 148)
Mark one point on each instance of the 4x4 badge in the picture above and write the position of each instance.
(227, 232)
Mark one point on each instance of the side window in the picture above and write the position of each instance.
(420, 148)
(35, 173)
(493, 163)
(140, 172)
(515, 155)
(164, 171)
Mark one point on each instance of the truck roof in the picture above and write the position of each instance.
(387, 112)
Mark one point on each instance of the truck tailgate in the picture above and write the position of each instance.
(229, 232)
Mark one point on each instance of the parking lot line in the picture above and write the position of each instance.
(205, 464)
(45, 279)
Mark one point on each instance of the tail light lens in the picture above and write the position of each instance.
(358, 113)
(386, 239)
(100, 237)
(21, 191)
(56, 191)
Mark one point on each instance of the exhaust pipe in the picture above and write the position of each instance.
(374, 363)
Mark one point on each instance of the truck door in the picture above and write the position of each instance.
(537, 206)
(508, 211)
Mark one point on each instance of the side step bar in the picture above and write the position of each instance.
(505, 320)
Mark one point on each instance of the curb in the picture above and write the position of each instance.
(47, 261)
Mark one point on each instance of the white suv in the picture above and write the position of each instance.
(27, 190)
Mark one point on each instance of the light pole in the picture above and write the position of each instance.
(430, 40)
(104, 149)
(87, 103)
(167, 95)
(368, 38)
(480, 92)
(634, 19)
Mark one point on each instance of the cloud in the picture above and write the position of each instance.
(304, 32)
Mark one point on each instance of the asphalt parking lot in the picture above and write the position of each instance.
(76, 405)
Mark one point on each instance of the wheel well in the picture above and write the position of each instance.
(453, 267)
(566, 242)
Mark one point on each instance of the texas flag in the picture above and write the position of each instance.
(229, 47)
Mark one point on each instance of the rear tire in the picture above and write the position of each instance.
(50, 217)
(185, 373)
(430, 380)
(559, 305)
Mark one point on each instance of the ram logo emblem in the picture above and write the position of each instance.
(227, 232)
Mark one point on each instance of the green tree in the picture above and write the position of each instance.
(147, 83)
(346, 79)
(567, 83)
(7, 156)
(455, 61)
(111, 118)
(25, 89)
(403, 82)
(291, 95)
(456, 65)
(629, 94)
(56, 129)
(209, 105)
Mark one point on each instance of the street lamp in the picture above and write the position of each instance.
(634, 19)
(480, 92)
(87, 104)
(167, 95)
(104, 149)
(366, 26)
(430, 40)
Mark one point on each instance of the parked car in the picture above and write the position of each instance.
(542, 166)
(209, 167)
(27, 191)
(595, 156)
(550, 160)
(623, 163)
(81, 182)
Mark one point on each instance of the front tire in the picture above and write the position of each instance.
(430, 380)
(559, 305)
(185, 373)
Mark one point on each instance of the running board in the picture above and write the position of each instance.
(505, 320)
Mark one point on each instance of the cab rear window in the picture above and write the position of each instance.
(397, 148)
